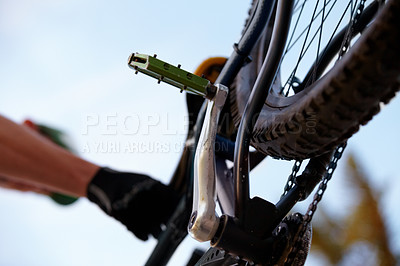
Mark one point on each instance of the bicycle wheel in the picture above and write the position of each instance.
(311, 109)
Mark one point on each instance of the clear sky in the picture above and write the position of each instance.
(63, 63)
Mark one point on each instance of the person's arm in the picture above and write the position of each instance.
(9, 183)
(32, 161)
(29, 157)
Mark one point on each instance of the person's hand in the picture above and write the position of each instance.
(25, 185)
(55, 136)
(141, 203)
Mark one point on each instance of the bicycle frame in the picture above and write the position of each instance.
(233, 202)
(231, 230)
(227, 197)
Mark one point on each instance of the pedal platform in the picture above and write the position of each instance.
(173, 75)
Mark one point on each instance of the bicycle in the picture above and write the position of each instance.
(274, 117)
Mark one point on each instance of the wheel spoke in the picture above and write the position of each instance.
(309, 38)
(304, 44)
(290, 45)
(319, 40)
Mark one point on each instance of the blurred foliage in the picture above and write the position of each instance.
(361, 237)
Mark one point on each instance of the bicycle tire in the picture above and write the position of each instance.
(331, 110)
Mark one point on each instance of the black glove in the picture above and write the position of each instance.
(141, 203)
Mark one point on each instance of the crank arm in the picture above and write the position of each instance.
(204, 222)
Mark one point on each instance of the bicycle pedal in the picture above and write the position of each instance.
(173, 75)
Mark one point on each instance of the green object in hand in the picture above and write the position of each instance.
(57, 137)
(63, 199)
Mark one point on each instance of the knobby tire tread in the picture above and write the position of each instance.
(332, 109)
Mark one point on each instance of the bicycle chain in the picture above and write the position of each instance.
(347, 39)
(290, 182)
(314, 204)
(333, 163)
(323, 185)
